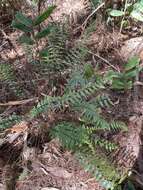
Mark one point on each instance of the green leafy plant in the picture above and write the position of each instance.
(130, 9)
(124, 80)
(25, 24)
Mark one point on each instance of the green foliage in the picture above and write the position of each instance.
(75, 137)
(29, 26)
(116, 13)
(83, 96)
(91, 115)
(124, 80)
(133, 9)
(96, 2)
(103, 143)
(6, 72)
(8, 77)
(59, 57)
(20, 18)
(41, 18)
(76, 81)
(83, 136)
(9, 121)
(71, 98)
(98, 165)
(43, 33)
(88, 71)
(137, 12)
(70, 135)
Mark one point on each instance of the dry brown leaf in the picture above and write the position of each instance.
(19, 128)
(59, 172)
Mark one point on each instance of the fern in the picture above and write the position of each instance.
(52, 103)
(70, 135)
(8, 122)
(99, 167)
(77, 139)
(8, 77)
(6, 72)
(59, 55)
(103, 101)
(91, 115)
(54, 61)
(76, 81)
(105, 144)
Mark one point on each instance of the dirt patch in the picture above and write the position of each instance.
(56, 168)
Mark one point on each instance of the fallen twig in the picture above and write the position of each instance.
(85, 22)
(20, 102)
(106, 61)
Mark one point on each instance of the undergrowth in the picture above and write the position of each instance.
(85, 95)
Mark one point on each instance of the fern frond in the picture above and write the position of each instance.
(60, 55)
(103, 101)
(56, 50)
(50, 103)
(91, 109)
(6, 72)
(70, 135)
(75, 56)
(91, 116)
(8, 122)
(78, 138)
(117, 126)
(100, 123)
(76, 81)
(103, 143)
(97, 164)
(8, 76)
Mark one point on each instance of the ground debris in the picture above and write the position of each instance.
(49, 188)
(56, 169)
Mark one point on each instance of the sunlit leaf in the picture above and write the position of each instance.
(116, 13)
(137, 15)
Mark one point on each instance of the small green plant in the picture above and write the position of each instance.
(124, 80)
(130, 9)
(29, 27)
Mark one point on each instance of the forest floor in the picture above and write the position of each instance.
(50, 167)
